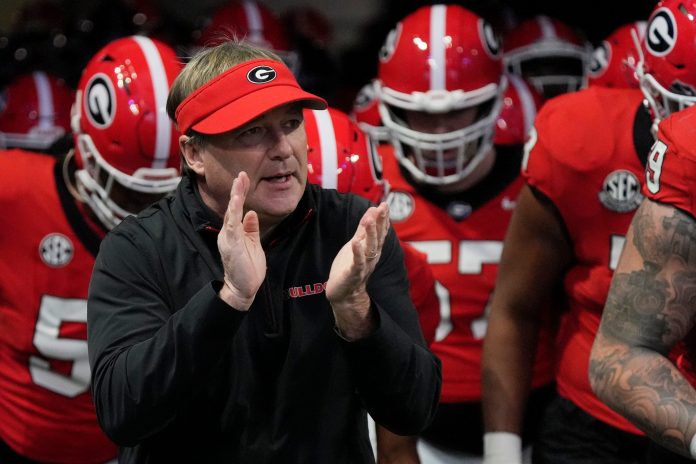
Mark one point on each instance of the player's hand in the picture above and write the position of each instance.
(239, 242)
(346, 288)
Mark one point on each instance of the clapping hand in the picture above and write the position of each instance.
(239, 242)
(346, 288)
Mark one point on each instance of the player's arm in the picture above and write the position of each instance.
(535, 254)
(395, 449)
(651, 306)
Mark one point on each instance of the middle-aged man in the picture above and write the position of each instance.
(252, 317)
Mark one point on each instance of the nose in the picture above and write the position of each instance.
(281, 147)
(440, 124)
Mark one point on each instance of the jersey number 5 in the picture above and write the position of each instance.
(53, 312)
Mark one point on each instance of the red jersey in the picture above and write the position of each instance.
(422, 290)
(583, 157)
(670, 177)
(462, 235)
(48, 250)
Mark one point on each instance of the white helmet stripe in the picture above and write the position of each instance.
(548, 30)
(254, 22)
(438, 19)
(160, 88)
(327, 145)
(640, 27)
(45, 97)
(526, 99)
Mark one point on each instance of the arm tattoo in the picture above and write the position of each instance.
(647, 312)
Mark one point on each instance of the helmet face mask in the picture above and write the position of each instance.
(366, 113)
(454, 64)
(549, 55)
(551, 76)
(127, 149)
(667, 70)
(443, 158)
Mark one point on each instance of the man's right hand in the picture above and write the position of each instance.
(239, 242)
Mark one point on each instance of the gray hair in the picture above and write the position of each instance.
(208, 63)
(204, 65)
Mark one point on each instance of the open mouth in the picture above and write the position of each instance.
(278, 179)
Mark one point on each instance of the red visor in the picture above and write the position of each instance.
(241, 94)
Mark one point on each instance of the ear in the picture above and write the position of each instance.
(191, 155)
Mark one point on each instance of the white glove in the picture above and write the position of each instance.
(502, 448)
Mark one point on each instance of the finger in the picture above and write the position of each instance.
(251, 224)
(235, 207)
(371, 237)
(358, 247)
(382, 222)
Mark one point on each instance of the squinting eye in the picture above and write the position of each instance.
(252, 135)
(293, 124)
(252, 131)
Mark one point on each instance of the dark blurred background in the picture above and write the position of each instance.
(339, 40)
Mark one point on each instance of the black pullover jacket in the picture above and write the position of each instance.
(179, 376)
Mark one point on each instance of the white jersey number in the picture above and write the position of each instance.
(52, 313)
(654, 167)
(473, 254)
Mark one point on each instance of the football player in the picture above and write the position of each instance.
(583, 168)
(254, 22)
(549, 54)
(452, 195)
(650, 310)
(56, 213)
(340, 156)
(35, 113)
(615, 60)
(521, 102)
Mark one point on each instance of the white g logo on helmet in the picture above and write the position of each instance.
(100, 101)
(387, 50)
(661, 35)
(490, 39)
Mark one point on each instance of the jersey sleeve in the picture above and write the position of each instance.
(670, 172)
(541, 165)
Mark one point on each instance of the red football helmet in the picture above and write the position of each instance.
(34, 112)
(440, 59)
(520, 105)
(667, 71)
(615, 60)
(251, 21)
(366, 113)
(340, 157)
(127, 148)
(549, 54)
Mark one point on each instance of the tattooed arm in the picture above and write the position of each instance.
(650, 307)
